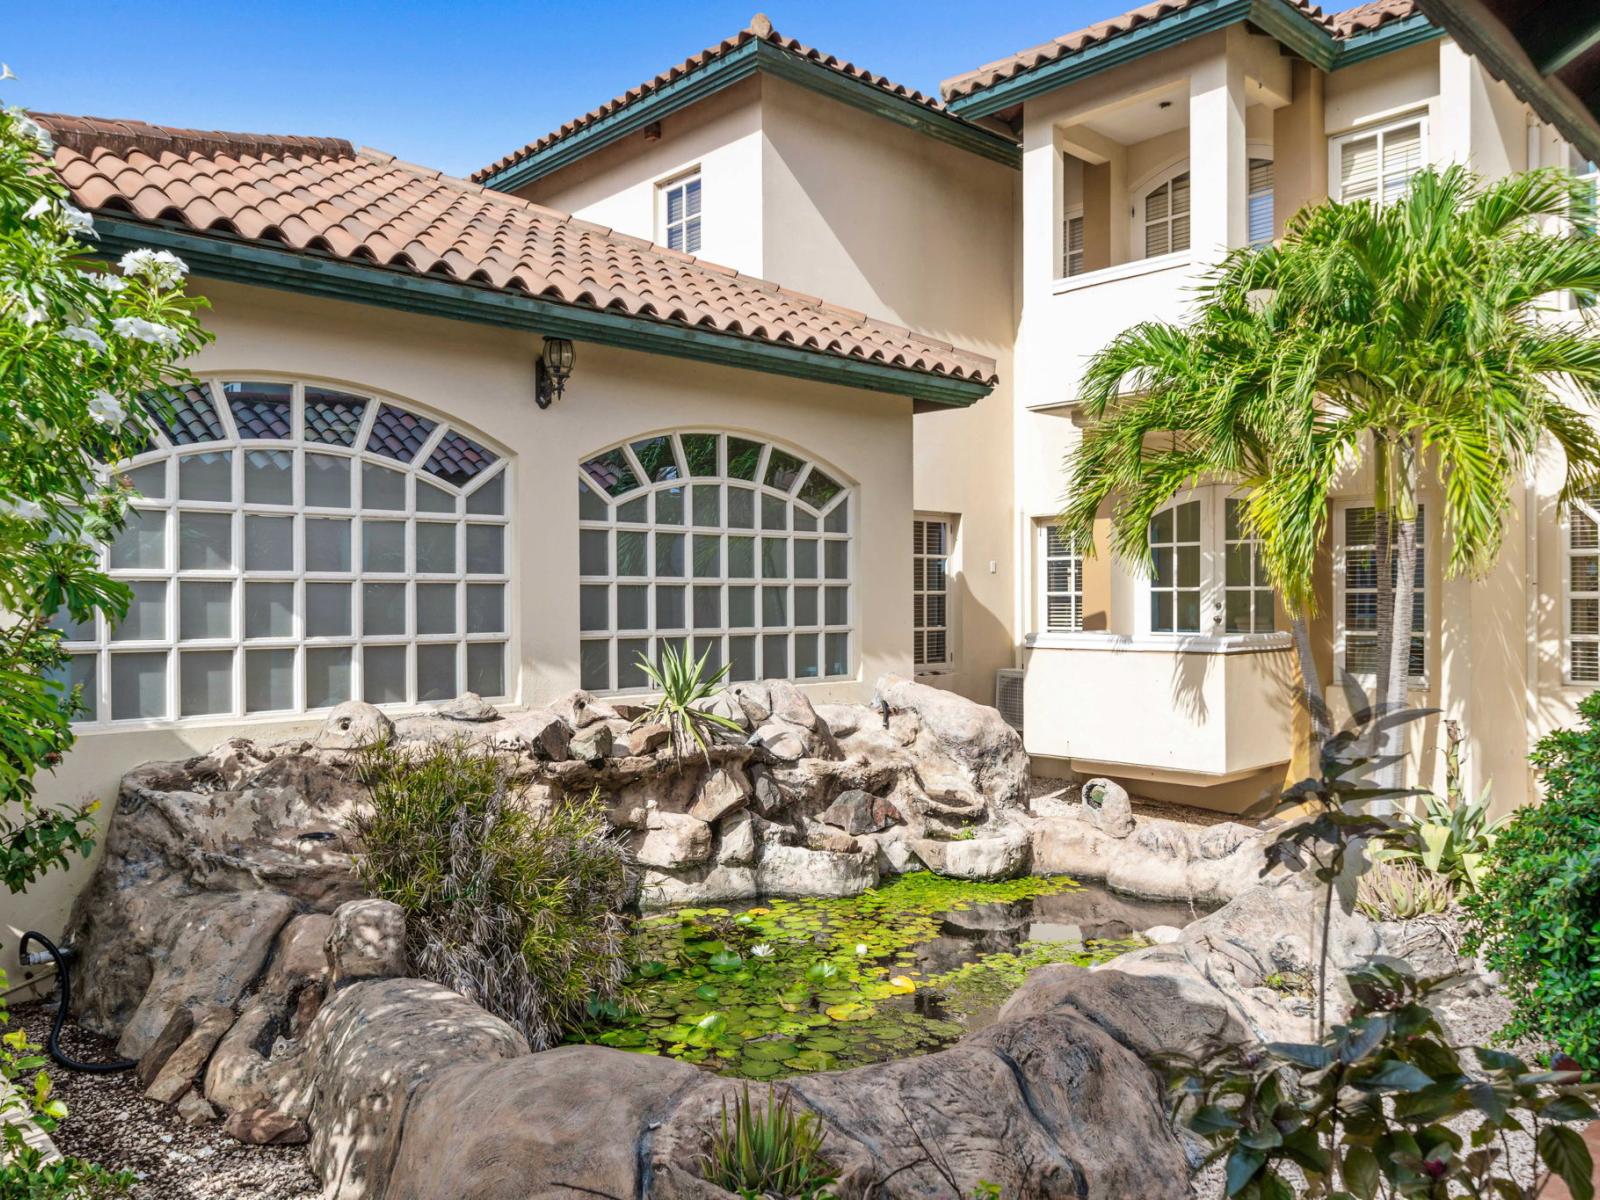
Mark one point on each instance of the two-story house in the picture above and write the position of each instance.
(1047, 202)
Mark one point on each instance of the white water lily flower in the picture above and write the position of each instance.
(762, 950)
(78, 333)
(861, 949)
(139, 330)
(107, 410)
(161, 267)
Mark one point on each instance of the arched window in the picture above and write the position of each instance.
(712, 543)
(294, 546)
(1164, 216)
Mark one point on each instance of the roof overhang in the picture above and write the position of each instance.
(728, 69)
(1283, 22)
(237, 260)
(1548, 54)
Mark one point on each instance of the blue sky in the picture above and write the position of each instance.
(453, 85)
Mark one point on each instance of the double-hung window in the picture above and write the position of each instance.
(931, 547)
(1356, 608)
(1072, 244)
(1583, 590)
(1165, 216)
(1377, 164)
(679, 206)
(1259, 202)
(1207, 577)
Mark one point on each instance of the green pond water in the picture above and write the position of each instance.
(792, 985)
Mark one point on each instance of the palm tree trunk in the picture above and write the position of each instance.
(1310, 686)
(1396, 602)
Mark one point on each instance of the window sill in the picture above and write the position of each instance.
(1161, 643)
(933, 669)
(1127, 270)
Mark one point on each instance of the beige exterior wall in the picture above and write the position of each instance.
(481, 379)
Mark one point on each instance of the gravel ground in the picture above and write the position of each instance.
(112, 1124)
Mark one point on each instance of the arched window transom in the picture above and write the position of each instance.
(713, 543)
(293, 546)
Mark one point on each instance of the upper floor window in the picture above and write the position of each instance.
(1377, 164)
(1259, 201)
(1061, 580)
(931, 544)
(1356, 606)
(712, 543)
(679, 219)
(293, 546)
(1583, 590)
(1072, 243)
(1206, 572)
(1163, 216)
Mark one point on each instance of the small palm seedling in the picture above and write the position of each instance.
(771, 1151)
(683, 685)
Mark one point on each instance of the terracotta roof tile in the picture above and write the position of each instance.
(320, 195)
(1341, 24)
(759, 29)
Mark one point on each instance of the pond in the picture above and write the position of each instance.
(792, 985)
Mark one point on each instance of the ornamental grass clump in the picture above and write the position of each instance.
(771, 1151)
(514, 905)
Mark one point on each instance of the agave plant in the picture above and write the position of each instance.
(683, 685)
(1448, 840)
(1401, 891)
(771, 1151)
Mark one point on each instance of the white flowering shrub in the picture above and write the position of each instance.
(79, 346)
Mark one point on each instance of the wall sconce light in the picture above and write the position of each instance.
(550, 371)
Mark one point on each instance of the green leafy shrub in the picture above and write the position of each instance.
(1401, 890)
(683, 684)
(26, 1098)
(514, 906)
(771, 1151)
(1536, 916)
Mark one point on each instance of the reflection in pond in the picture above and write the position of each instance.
(789, 985)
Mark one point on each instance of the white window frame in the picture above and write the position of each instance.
(1340, 580)
(840, 509)
(1589, 509)
(1140, 194)
(665, 226)
(1044, 557)
(1380, 130)
(166, 454)
(1214, 588)
(920, 557)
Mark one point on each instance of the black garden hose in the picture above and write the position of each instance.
(65, 984)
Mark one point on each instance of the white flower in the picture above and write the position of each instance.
(37, 209)
(77, 333)
(32, 314)
(108, 282)
(107, 410)
(762, 950)
(5, 72)
(78, 222)
(861, 949)
(31, 128)
(139, 330)
(160, 267)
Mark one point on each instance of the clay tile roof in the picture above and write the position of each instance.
(1342, 24)
(759, 29)
(318, 195)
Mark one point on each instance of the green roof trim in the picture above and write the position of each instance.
(728, 69)
(1291, 27)
(239, 261)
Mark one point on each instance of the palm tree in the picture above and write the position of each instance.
(1405, 333)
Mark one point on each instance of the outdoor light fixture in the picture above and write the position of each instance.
(550, 371)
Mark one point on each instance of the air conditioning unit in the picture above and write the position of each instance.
(1008, 695)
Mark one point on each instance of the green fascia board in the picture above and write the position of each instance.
(1386, 39)
(754, 55)
(239, 261)
(1279, 20)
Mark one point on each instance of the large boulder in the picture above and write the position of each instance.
(1000, 854)
(956, 735)
(672, 840)
(368, 1051)
(354, 725)
(366, 940)
(576, 1120)
(797, 871)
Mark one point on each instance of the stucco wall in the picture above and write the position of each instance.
(481, 377)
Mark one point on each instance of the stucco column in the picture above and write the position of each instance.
(1299, 147)
(1217, 153)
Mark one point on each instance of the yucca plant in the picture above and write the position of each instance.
(683, 683)
(772, 1151)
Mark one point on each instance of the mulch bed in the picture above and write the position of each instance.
(111, 1123)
